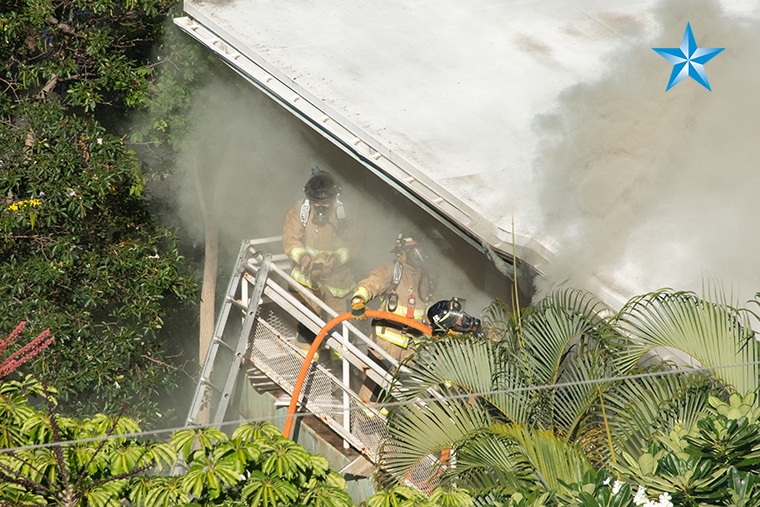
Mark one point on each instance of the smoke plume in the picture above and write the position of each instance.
(247, 161)
(645, 188)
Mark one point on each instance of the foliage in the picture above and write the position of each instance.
(39, 467)
(712, 462)
(258, 466)
(160, 123)
(80, 252)
(709, 331)
(15, 409)
(597, 489)
(405, 496)
(89, 54)
(507, 435)
(568, 387)
(100, 461)
(87, 261)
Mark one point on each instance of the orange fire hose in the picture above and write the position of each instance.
(375, 314)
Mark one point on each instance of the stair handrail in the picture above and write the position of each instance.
(375, 314)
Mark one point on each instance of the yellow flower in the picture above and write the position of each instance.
(32, 203)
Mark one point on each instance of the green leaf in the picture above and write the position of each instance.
(183, 440)
(256, 430)
(264, 491)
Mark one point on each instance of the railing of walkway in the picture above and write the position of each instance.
(330, 386)
(326, 387)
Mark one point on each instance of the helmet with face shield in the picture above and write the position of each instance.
(322, 191)
(406, 246)
(447, 316)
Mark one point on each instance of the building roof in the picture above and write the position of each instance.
(545, 117)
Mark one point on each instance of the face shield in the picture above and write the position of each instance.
(321, 212)
(414, 257)
(406, 248)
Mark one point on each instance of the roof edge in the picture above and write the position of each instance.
(388, 165)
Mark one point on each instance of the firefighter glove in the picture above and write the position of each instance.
(330, 263)
(316, 271)
(321, 265)
(358, 308)
(305, 264)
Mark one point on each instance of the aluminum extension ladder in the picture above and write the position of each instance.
(224, 358)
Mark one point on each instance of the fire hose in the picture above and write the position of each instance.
(375, 314)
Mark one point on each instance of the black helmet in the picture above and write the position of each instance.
(447, 315)
(321, 188)
(406, 242)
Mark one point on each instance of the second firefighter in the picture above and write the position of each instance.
(404, 287)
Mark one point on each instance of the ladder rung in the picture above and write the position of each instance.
(212, 386)
(219, 397)
(225, 345)
(234, 302)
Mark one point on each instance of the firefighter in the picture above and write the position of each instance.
(404, 287)
(316, 237)
(448, 317)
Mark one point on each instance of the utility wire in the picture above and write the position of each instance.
(416, 401)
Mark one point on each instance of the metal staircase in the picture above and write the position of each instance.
(256, 329)
(257, 326)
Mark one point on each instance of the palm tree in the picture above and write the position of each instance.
(564, 387)
(710, 340)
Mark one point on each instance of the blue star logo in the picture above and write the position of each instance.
(688, 60)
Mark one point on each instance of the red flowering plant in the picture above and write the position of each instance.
(25, 353)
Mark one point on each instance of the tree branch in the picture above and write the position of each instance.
(48, 87)
(159, 362)
(63, 27)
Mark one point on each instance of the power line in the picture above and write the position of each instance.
(432, 399)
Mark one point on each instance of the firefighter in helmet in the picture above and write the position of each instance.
(448, 317)
(404, 287)
(316, 237)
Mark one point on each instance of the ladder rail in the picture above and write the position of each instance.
(242, 345)
(210, 359)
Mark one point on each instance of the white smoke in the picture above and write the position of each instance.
(250, 159)
(646, 188)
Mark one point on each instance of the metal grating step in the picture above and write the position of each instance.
(260, 381)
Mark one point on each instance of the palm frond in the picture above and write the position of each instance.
(417, 431)
(552, 459)
(500, 319)
(641, 407)
(485, 461)
(469, 366)
(712, 334)
(512, 398)
(577, 396)
(563, 319)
